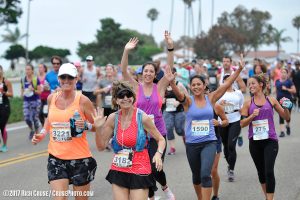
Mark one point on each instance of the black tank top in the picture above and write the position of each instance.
(4, 97)
(170, 94)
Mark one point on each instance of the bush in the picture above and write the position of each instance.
(16, 110)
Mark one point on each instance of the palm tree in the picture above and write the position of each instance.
(296, 24)
(199, 19)
(189, 17)
(171, 17)
(13, 37)
(152, 15)
(277, 38)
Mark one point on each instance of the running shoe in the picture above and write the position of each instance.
(240, 141)
(169, 194)
(31, 135)
(230, 175)
(4, 148)
(172, 151)
(288, 130)
(282, 134)
(215, 198)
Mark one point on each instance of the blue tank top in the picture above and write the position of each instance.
(199, 123)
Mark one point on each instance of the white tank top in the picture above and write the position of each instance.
(89, 79)
(234, 102)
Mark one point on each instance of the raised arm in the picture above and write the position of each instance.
(181, 96)
(217, 94)
(164, 82)
(241, 84)
(131, 44)
(104, 128)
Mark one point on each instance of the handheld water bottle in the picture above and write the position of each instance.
(77, 117)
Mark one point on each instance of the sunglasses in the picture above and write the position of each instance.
(55, 63)
(88, 60)
(122, 94)
(64, 77)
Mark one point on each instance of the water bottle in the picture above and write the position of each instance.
(77, 117)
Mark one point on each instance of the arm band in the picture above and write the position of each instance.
(183, 100)
(88, 126)
(243, 117)
(160, 151)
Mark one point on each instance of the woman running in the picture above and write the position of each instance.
(201, 140)
(149, 99)
(104, 89)
(222, 122)
(232, 102)
(130, 172)
(44, 94)
(5, 92)
(173, 113)
(31, 90)
(70, 160)
(263, 143)
(284, 88)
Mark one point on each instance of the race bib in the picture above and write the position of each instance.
(61, 131)
(45, 109)
(200, 127)
(28, 92)
(123, 158)
(229, 108)
(107, 100)
(212, 80)
(260, 129)
(170, 104)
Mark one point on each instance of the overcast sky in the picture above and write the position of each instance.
(62, 23)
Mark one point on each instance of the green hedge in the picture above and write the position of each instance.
(16, 110)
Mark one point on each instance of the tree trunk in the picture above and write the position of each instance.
(171, 17)
(298, 42)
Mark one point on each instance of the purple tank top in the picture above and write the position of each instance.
(265, 112)
(152, 106)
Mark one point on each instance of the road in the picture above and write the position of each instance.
(24, 166)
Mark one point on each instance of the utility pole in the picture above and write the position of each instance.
(27, 31)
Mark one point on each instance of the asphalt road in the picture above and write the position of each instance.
(23, 167)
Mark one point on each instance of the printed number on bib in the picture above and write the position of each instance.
(107, 100)
(200, 127)
(229, 108)
(260, 129)
(123, 158)
(170, 104)
(61, 132)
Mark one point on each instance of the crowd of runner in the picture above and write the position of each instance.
(138, 115)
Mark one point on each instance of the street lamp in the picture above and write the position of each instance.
(27, 31)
